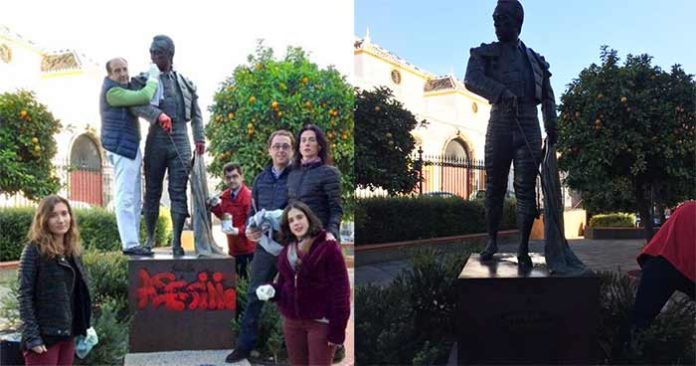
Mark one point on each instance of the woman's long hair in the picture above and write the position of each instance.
(41, 235)
(313, 230)
(324, 153)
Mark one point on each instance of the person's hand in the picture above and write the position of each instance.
(330, 237)
(153, 73)
(233, 231)
(331, 344)
(253, 233)
(265, 292)
(39, 349)
(510, 100)
(551, 136)
(165, 122)
(212, 201)
(200, 147)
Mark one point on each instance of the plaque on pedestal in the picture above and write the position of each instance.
(181, 303)
(508, 316)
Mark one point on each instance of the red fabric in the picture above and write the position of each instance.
(61, 353)
(676, 241)
(320, 288)
(239, 208)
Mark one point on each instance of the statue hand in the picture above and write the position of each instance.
(200, 147)
(510, 100)
(165, 122)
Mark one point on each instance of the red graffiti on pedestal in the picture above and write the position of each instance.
(178, 295)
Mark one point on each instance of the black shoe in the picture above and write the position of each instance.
(178, 252)
(139, 251)
(237, 355)
(340, 354)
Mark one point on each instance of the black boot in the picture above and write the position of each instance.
(493, 222)
(150, 225)
(178, 221)
(525, 226)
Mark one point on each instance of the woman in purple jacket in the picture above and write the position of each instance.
(312, 290)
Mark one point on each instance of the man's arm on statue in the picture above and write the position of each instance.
(121, 97)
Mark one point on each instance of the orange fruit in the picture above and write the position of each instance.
(22, 114)
(274, 105)
(230, 115)
(34, 140)
(377, 109)
(252, 99)
(623, 99)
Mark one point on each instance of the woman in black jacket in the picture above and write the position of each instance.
(314, 181)
(54, 301)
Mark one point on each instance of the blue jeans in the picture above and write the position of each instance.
(263, 269)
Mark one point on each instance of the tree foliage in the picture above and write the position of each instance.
(268, 94)
(627, 135)
(27, 145)
(384, 142)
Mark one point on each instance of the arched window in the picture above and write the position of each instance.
(456, 150)
(86, 171)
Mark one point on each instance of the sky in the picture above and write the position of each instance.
(436, 35)
(211, 37)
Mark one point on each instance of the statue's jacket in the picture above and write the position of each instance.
(491, 71)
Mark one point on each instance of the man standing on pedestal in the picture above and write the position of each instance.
(514, 79)
(167, 147)
(120, 137)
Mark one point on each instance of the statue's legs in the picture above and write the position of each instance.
(155, 167)
(498, 155)
(526, 170)
(178, 179)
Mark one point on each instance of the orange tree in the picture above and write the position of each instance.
(27, 146)
(269, 94)
(627, 136)
(384, 143)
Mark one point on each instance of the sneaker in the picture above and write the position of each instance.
(237, 355)
(340, 354)
(138, 251)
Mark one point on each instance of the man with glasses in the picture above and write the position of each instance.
(167, 146)
(235, 201)
(269, 192)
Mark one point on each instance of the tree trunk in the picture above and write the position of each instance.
(645, 217)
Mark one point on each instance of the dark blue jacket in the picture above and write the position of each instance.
(120, 131)
(269, 192)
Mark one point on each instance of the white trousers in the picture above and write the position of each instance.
(127, 197)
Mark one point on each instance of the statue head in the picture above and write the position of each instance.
(162, 52)
(507, 19)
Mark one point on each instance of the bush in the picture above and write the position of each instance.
(270, 342)
(411, 320)
(112, 330)
(421, 217)
(15, 223)
(98, 230)
(108, 277)
(613, 220)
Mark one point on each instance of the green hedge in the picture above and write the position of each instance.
(617, 219)
(97, 226)
(393, 219)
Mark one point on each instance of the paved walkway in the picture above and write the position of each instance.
(599, 255)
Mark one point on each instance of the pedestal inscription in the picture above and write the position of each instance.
(509, 316)
(183, 303)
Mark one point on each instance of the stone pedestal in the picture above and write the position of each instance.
(506, 316)
(182, 303)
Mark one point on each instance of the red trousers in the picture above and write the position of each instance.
(307, 342)
(61, 353)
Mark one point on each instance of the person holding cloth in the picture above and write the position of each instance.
(235, 201)
(312, 290)
(120, 137)
(54, 299)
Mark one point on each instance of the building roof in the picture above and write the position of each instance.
(52, 60)
(367, 45)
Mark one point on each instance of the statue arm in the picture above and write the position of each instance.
(196, 120)
(477, 81)
(548, 103)
(148, 112)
